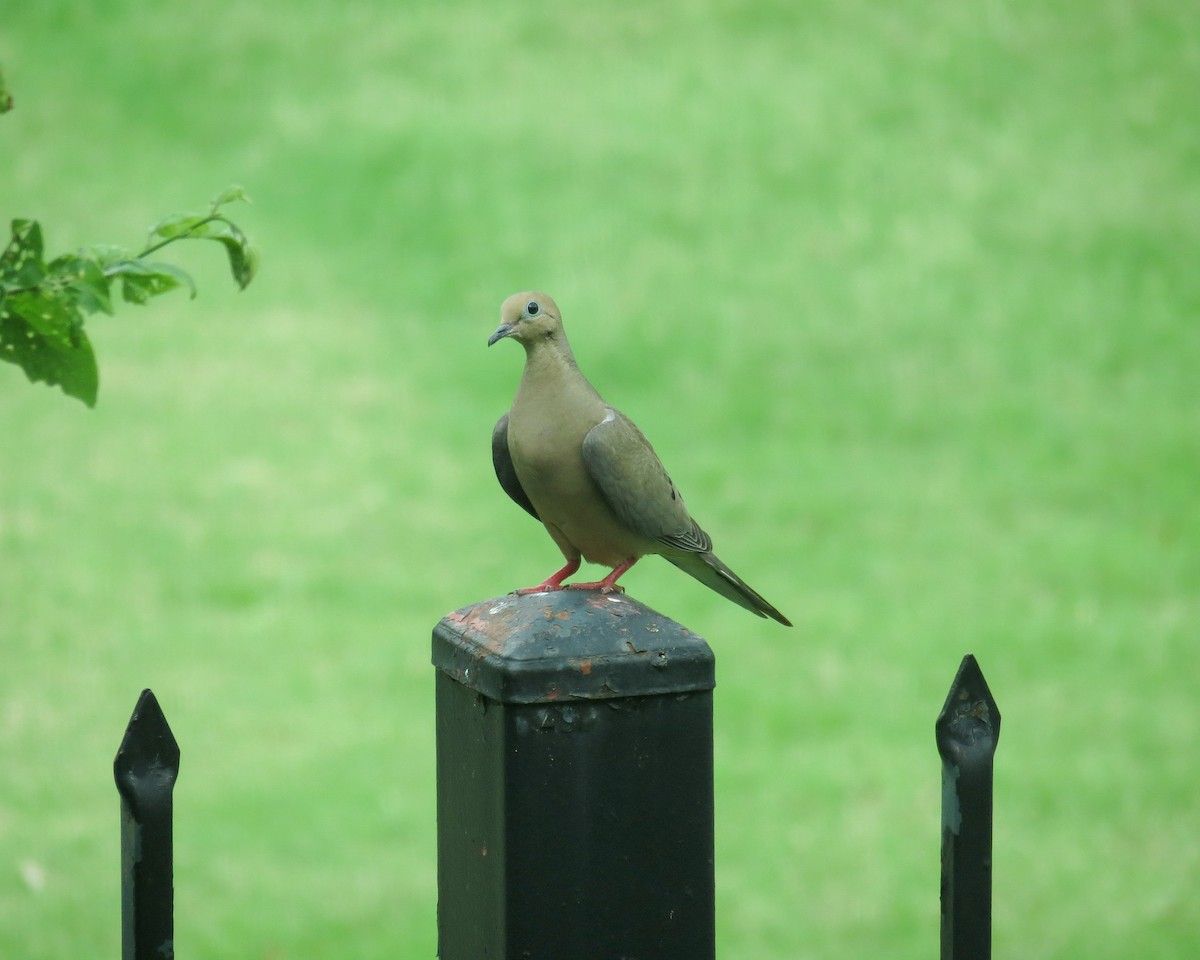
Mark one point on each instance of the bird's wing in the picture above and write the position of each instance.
(505, 471)
(632, 481)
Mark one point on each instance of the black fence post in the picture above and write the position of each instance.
(574, 782)
(145, 769)
(968, 729)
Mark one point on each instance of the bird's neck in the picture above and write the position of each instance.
(550, 369)
(550, 356)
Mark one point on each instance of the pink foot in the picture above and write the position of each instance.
(609, 583)
(554, 582)
(602, 585)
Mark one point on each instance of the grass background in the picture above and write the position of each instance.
(907, 297)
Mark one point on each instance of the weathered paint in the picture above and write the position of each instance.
(569, 644)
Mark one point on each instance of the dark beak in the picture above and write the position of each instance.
(502, 331)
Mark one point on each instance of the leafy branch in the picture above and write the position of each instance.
(42, 305)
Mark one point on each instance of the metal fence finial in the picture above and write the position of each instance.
(145, 770)
(967, 729)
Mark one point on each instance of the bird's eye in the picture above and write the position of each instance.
(533, 308)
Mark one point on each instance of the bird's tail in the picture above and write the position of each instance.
(710, 571)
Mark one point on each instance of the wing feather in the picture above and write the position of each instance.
(636, 487)
(506, 473)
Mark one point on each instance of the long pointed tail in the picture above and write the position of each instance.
(710, 571)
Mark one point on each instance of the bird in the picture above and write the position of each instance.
(591, 477)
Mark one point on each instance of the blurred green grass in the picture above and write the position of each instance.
(905, 297)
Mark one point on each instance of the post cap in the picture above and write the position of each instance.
(570, 645)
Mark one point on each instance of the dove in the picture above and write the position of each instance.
(583, 469)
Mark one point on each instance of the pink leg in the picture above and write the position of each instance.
(609, 583)
(553, 582)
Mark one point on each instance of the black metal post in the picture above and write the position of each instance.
(145, 769)
(968, 729)
(574, 790)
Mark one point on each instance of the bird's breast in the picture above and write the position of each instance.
(549, 463)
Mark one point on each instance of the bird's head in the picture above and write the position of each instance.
(527, 317)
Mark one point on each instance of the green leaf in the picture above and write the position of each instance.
(83, 281)
(6, 100)
(216, 227)
(21, 262)
(48, 358)
(91, 287)
(105, 254)
(142, 279)
(229, 195)
(42, 306)
(243, 259)
(175, 226)
(50, 314)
